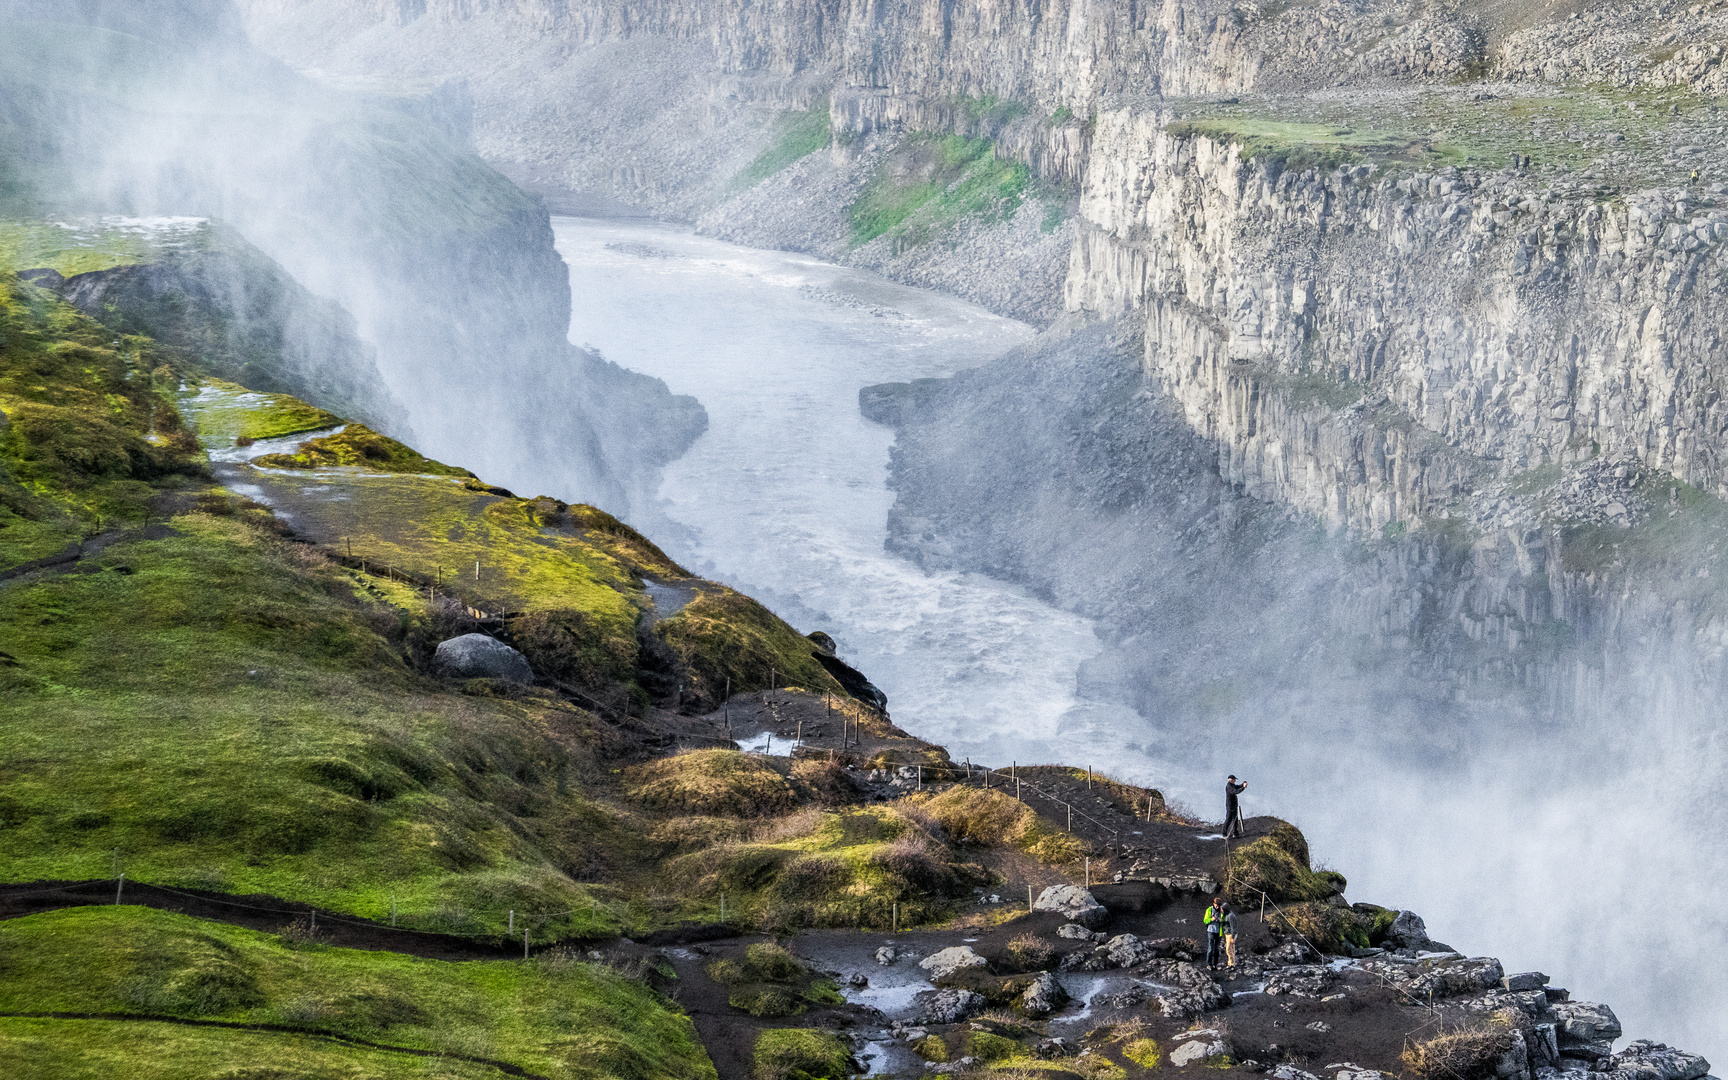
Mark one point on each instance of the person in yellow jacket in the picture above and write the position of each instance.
(1214, 920)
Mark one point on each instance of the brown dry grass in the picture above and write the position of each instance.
(1464, 1053)
(709, 782)
(1031, 952)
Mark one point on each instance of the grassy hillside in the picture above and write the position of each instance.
(554, 1017)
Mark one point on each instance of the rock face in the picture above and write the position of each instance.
(948, 961)
(1407, 931)
(1646, 1060)
(476, 656)
(1073, 902)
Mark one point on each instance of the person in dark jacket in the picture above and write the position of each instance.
(1232, 808)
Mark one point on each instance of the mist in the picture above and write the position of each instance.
(370, 198)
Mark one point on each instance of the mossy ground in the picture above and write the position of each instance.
(358, 446)
(224, 413)
(801, 132)
(1616, 138)
(932, 181)
(551, 1017)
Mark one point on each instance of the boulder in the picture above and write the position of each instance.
(1200, 1045)
(1527, 980)
(952, 1006)
(1073, 903)
(887, 954)
(949, 960)
(1044, 996)
(476, 656)
(1584, 1022)
(1292, 952)
(1515, 1061)
(1290, 1072)
(1646, 1060)
(1407, 931)
(1347, 1070)
(1073, 931)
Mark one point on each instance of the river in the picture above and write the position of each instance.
(786, 498)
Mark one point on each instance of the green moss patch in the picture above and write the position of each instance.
(802, 132)
(358, 446)
(710, 782)
(724, 635)
(554, 1018)
(800, 1054)
(931, 182)
(1277, 865)
(225, 414)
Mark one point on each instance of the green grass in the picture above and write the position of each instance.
(802, 133)
(223, 412)
(70, 248)
(357, 445)
(552, 1017)
(932, 182)
(800, 1054)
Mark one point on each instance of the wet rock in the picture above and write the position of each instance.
(887, 954)
(857, 981)
(950, 960)
(1074, 903)
(1646, 1060)
(1044, 996)
(476, 656)
(1199, 1045)
(1133, 995)
(952, 1006)
(1074, 932)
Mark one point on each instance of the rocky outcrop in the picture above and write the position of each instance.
(1074, 904)
(477, 656)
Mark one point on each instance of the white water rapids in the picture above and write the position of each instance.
(785, 496)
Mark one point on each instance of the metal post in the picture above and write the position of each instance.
(1088, 871)
(800, 733)
(512, 922)
(119, 887)
(920, 778)
(1088, 778)
(1070, 816)
(1028, 899)
(896, 918)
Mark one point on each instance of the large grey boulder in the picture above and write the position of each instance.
(952, 1006)
(1073, 903)
(1585, 1022)
(476, 656)
(942, 964)
(1199, 1045)
(1407, 931)
(1646, 1060)
(1045, 995)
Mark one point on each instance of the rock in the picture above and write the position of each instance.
(1319, 1025)
(1528, 980)
(1407, 931)
(1583, 1022)
(1292, 952)
(1515, 1062)
(952, 1006)
(950, 960)
(1198, 1046)
(1052, 1048)
(1350, 1071)
(887, 954)
(1646, 1060)
(1126, 950)
(913, 1034)
(1122, 999)
(476, 656)
(1074, 903)
(1044, 996)
(1073, 932)
(857, 981)
(1458, 977)
(1290, 1072)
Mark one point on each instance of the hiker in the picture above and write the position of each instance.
(1214, 920)
(1233, 809)
(1229, 924)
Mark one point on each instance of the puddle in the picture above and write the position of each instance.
(896, 1002)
